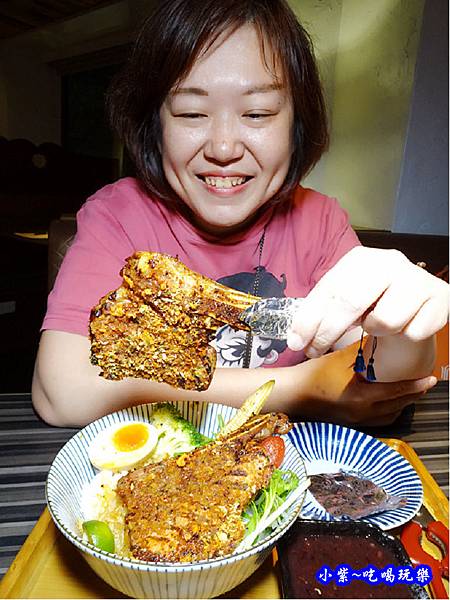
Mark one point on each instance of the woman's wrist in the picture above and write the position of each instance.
(398, 358)
(319, 382)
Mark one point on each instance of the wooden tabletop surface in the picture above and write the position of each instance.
(28, 447)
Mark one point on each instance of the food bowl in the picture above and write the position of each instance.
(71, 470)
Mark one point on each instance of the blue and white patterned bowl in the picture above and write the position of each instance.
(71, 471)
(328, 448)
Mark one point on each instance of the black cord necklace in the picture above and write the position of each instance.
(249, 337)
(359, 365)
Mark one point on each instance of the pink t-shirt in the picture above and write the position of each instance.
(303, 239)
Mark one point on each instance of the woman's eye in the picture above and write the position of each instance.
(257, 116)
(191, 115)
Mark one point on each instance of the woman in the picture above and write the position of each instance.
(221, 109)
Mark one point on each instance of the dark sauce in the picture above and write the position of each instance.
(342, 494)
(303, 553)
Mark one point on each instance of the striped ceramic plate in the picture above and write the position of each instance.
(328, 448)
(71, 471)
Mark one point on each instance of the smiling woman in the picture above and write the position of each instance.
(221, 108)
(217, 130)
(254, 53)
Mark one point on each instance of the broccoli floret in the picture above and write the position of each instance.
(176, 434)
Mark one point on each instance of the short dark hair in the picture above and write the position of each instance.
(169, 42)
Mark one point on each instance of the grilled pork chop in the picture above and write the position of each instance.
(159, 322)
(189, 508)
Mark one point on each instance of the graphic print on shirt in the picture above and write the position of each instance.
(229, 343)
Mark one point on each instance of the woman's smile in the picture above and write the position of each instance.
(225, 185)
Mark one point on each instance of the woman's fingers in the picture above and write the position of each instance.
(337, 302)
(378, 403)
(305, 324)
(431, 317)
(393, 391)
(395, 309)
(388, 411)
(416, 306)
(399, 395)
(382, 288)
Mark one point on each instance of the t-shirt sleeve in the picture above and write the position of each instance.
(336, 238)
(90, 269)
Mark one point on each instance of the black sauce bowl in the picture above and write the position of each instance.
(311, 540)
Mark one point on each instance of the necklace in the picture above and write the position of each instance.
(249, 337)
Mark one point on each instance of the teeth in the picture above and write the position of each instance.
(224, 182)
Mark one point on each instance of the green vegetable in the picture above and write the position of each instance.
(176, 434)
(100, 535)
(269, 499)
(221, 422)
(269, 520)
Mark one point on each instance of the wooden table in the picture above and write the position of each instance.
(28, 447)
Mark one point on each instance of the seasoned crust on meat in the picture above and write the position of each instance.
(159, 322)
(189, 508)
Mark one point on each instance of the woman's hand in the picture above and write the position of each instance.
(379, 289)
(365, 404)
(332, 392)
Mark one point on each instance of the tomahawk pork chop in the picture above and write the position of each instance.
(159, 322)
(189, 508)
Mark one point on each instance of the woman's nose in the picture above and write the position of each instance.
(224, 143)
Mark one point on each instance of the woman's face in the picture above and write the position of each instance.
(226, 134)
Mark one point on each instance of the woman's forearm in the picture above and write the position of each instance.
(86, 397)
(68, 391)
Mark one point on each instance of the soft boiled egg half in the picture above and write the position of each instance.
(123, 446)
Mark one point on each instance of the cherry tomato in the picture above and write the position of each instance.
(274, 447)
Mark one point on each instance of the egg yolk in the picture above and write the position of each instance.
(130, 437)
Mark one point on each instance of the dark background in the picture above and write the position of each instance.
(32, 197)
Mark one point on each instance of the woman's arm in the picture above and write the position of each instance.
(68, 391)
(393, 299)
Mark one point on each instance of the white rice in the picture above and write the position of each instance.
(100, 501)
